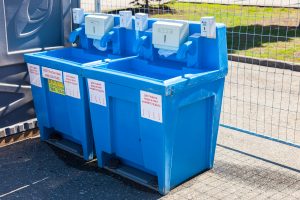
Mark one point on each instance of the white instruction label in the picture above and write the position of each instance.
(34, 74)
(141, 21)
(126, 19)
(71, 85)
(208, 27)
(151, 106)
(97, 92)
(52, 74)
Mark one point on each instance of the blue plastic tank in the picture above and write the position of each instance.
(59, 92)
(155, 119)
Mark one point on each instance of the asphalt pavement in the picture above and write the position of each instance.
(246, 167)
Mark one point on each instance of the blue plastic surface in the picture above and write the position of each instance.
(179, 143)
(63, 114)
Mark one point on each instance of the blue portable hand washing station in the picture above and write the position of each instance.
(155, 117)
(58, 88)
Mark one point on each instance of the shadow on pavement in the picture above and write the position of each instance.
(36, 170)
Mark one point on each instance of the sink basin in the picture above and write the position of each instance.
(158, 71)
(74, 56)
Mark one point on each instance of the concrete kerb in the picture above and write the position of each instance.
(265, 62)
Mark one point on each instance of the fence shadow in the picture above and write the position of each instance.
(253, 36)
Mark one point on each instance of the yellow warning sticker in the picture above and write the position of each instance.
(56, 87)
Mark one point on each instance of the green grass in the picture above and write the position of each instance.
(262, 32)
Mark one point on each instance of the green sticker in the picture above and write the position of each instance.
(56, 87)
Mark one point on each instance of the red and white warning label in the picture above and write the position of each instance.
(71, 85)
(34, 74)
(151, 106)
(52, 74)
(97, 92)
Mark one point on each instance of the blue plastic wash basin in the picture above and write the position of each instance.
(167, 72)
(60, 113)
(166, 147)
(75, 56)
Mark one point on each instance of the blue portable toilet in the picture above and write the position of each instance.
(155, 117)
(58, 88)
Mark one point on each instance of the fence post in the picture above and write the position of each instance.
(97, 6)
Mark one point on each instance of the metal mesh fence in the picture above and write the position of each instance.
(262, 88)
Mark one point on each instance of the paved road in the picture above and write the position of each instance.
(35, 170)
(263, 100)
